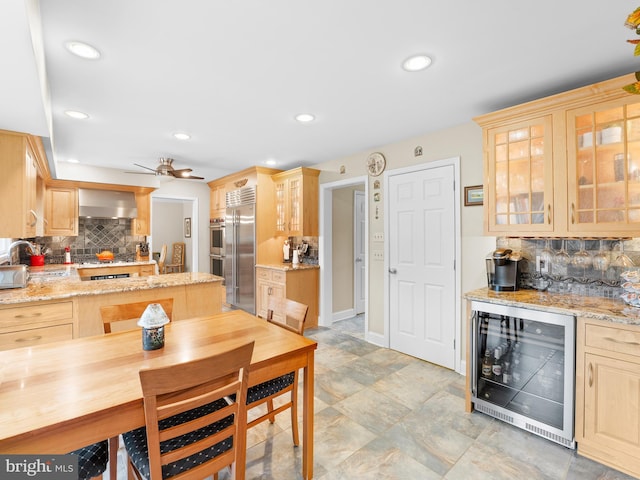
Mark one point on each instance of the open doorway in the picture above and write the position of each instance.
(338, 266)
(175, 219)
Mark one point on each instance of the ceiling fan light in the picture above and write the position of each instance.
(83, 50)
(416, 63)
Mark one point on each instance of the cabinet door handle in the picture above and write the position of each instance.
(573, 213)
(609, 339)
(32, 315)
(590, 374)
(35, 218)
(549, 214)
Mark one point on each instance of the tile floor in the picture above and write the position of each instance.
(381, 414)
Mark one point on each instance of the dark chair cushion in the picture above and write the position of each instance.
(135, 441)
(92, 460)
(265, 389)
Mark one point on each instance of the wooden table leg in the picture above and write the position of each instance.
(307, 419)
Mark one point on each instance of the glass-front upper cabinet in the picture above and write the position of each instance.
(603, 143)
(519, 195)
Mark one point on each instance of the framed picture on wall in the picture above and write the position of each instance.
(187, 227)
(473, 195)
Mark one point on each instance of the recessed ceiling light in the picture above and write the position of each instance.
(305, 117)
(82, 50)
(416, 63)
(75, 114)
(182, 136)
(270, 162)
(73, 160)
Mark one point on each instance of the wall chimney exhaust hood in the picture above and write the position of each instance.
(106, 204)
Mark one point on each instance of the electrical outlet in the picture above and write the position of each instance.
(378, 255)
(541, 265)
(378, 237)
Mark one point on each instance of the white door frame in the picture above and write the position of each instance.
(358, 282)
(325, 318)
(194, 225)
(455, 161)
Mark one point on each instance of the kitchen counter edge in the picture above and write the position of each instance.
(287, 267)
(599, 308)
(71, 286)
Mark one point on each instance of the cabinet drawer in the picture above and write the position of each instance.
(35, 336)
(613, 339)
(263, 274)
(47, 312)
(278, 276)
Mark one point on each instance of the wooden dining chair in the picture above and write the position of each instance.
(291, 316)
(195, 418)
(93, 459)
(127, 314)
(176, 265)
(130, 313)
(162, 260)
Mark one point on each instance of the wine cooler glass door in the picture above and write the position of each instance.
(524, 368)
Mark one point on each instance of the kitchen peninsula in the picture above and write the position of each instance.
(607, 370)
(57, 304)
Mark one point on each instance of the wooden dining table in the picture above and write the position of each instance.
(57, 397)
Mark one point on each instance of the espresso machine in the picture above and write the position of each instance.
(503, 270)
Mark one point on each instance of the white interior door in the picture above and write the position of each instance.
(422, 264)
(358, 252)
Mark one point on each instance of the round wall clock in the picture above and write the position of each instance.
(375, 164)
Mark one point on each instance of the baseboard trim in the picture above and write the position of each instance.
(343, 315)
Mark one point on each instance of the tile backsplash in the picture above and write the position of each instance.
(571, 276)
(94, 236)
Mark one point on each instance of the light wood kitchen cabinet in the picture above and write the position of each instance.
(18, 197)
(608, 370)
(300, 285)
(61, 211)
(565, 165)
(141, 225)
(296, 202)
(36, 323)
(218, 201)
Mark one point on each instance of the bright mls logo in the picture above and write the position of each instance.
(38, 467)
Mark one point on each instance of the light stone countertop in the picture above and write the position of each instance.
(599, 308)
(288, 267)
(54, 282)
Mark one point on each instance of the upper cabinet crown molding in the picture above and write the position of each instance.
(565, 165)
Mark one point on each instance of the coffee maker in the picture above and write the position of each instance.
(503, 270)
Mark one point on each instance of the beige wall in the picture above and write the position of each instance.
(464, 141)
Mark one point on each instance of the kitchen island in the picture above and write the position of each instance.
(607, 370)
(57, 304)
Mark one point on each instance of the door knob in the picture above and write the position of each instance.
(358, 260)
(393, 271)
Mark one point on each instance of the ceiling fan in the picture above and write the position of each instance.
(165, 169)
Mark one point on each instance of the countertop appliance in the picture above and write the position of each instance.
(523, 368)
(13, 276)
(503, 270)
(240, 248)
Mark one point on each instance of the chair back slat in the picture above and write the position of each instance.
(286, 313)
(126, 312)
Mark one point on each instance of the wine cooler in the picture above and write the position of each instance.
(523, 368)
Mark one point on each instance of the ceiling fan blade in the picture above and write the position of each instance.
(188, 176)
(142, 173)
(178, 172)
(142, 166)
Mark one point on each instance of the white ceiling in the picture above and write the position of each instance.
(234, 73)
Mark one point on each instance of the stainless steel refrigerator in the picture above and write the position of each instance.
(240, 248)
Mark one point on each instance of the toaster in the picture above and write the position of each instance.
(13, 276)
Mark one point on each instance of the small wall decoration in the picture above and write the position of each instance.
(473, 195)
(376, 197)
(376, 185)
(417, 151)
(187, 227)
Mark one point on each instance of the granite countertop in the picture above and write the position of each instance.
(54, 282)
(599, 308)
(288, 267)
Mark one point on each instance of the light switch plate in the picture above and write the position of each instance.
(378, 255)
(378, 237)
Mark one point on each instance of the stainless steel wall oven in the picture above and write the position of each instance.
(523, 368)
(216, 234)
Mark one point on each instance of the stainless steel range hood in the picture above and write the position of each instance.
(106, 204)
